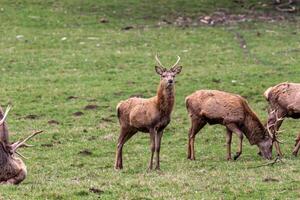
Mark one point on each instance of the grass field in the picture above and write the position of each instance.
(56, 58)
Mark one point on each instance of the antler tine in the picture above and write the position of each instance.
(274, 125)
(158, 61)
(18, 153)
(178, 59)
(5, 114)
(25, 140)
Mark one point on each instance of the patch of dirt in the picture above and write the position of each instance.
(130, 83)
(92, 138)
(85, 152)
(96, 190)
(91, 107)
(77, 114)
(47, 145)
(103, 20)
(92, 99)
(269, 179)
(72, 97)
(106, 119)
(126, 28)
(225, 17)
(118, 93)
(53, 122)
(31, 116)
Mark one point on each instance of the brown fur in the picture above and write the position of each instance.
(284, 101)
(12, 168)
(150, 115)
(230, 110)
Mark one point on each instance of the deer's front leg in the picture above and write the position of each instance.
(152, 148)
(297, 146)
(158, 137)
(234, 128)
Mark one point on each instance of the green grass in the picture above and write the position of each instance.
(64, 51)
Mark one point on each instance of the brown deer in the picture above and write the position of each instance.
(284, 101)
(230, 110)
(12, 168)
(150, 115)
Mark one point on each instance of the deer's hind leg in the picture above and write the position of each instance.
(196, 125)
(125, 135)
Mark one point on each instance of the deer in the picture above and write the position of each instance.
(151, 115)
(233, 112)
(12, 168)
(284, 102)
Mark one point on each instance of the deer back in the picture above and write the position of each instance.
(216, 106)
(284, 96)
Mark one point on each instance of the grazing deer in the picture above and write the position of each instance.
(284, 101)
(150, 115)
(12, 168)
(230, 110)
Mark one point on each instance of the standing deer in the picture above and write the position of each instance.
(230, 110)
(284, 101)
(150, 115)
(12, 168)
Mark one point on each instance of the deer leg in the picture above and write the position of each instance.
(228, 143)
(273, 119)
(197, 125)
(297, 146)
(234, 128)
(17, 179)
(152, 148)
(124, 136)
(158, 137)
(277, 147)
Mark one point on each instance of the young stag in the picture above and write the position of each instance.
(12, 168)
(230, 110)
(284, 101)
(148, 115)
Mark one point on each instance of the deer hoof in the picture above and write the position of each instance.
(236, 156)
(117, 168)
(295, 153)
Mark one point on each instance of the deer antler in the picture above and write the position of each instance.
(19, 144)
(274, 134)
(5, 115)
(178, 59)
(158, 61)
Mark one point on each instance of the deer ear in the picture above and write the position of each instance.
(159, 70)
(177, 69)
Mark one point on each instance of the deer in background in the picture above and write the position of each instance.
(230, 110)
(12, 168)
(150, 115)
(284, 101)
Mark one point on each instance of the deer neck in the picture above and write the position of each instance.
(253, 129)
(3, 154)
(165, 98)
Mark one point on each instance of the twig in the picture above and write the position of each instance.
(277, 160)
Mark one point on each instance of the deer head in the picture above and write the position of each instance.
(265, 148)
(167, 75)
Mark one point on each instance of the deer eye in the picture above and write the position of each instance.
(164, 76)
